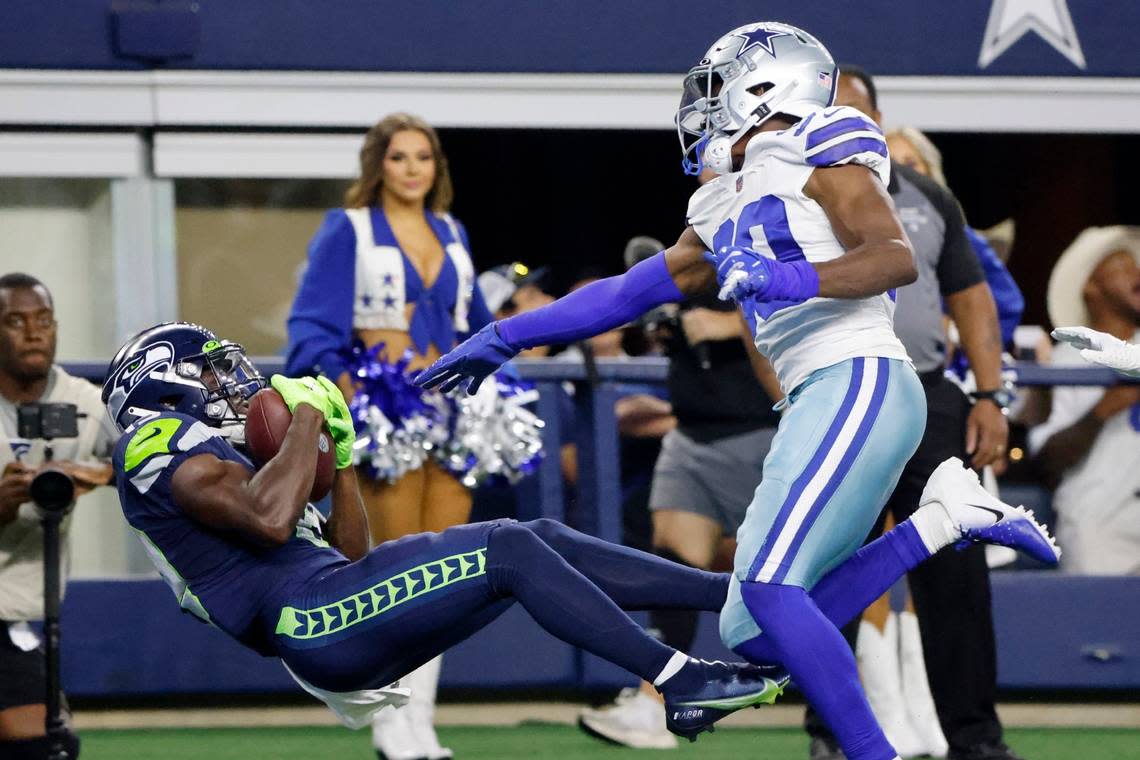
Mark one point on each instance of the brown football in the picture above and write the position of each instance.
(266, 424)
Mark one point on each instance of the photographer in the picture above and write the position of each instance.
(29, 376)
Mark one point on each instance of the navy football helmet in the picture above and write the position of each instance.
(181, 367)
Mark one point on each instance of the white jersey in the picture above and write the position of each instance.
(763, 207)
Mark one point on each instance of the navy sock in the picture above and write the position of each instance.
(635, 580)
(564, 602)
(678, 628)
(821, 663)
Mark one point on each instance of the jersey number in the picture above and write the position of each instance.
(771, 216)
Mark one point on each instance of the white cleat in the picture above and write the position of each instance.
(980, 517)
(392, 736)
(635, 720)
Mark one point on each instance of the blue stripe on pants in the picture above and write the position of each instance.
(811, 470)
(838, 505)
(856, 446)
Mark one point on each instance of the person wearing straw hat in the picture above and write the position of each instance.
(1090, 445)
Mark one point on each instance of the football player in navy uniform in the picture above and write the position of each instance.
(242, 549)
(798, 229)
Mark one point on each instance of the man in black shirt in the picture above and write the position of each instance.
(951, 592)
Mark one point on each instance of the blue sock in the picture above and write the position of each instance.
(851, 586)
(635, 580)
(821, 663)
(868, 573)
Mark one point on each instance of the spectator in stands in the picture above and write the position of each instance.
(389, 287)
(1089, 447)
(514, 288)
(952, 591)
(29, 374)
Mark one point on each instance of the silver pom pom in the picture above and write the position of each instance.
(493, 434)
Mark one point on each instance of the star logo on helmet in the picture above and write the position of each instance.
(761, 38)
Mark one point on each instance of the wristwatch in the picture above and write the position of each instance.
(1002, 397)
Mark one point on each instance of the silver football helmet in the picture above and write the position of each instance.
(747, 76)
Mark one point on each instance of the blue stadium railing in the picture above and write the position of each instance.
(125, 637)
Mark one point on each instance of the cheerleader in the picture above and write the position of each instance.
(389, 287)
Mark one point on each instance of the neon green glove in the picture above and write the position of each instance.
(301, 390)
(311, 391)
(337, 405)
(340, 423)
(344, 436)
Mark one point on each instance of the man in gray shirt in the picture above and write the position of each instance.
(28, 374)
(951, 591)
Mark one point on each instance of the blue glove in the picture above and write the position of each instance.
(743, 273)
(475, 358)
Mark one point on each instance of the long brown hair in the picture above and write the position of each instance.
(365, 191)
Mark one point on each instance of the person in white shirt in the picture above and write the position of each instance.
(1090, 445)
(29, 374)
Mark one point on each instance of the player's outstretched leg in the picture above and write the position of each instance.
(635, 580)
(954, 508)
(564, 602)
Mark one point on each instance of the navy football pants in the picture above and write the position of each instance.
(368, 623)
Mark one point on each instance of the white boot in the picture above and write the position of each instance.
(421, 709)
(392, 736)
(635, 720)
(916, 689)
(878, 657)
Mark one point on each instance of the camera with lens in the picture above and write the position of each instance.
(47, 421)
(52, 491)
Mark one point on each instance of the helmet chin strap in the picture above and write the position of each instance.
(718, 152)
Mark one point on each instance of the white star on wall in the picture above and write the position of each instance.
(1010, 20)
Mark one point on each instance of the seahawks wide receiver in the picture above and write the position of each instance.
(798, 229)
(242, 549)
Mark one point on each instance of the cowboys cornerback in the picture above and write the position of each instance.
(244, 551)
(798, 229)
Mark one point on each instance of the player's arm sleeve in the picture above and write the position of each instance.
(958, 267)
(595, 308)
(320, 323)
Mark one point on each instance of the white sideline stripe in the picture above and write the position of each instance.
(1013, 715)
(842, 139)
(830, 464)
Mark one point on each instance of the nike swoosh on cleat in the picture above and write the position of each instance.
(998, 516)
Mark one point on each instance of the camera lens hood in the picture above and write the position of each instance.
(52, 490)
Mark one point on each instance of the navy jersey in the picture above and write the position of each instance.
(218, 578)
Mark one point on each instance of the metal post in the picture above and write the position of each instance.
(53, 492)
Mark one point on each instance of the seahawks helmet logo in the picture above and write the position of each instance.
(139, 367)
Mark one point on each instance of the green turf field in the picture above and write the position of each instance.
(542, 741)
